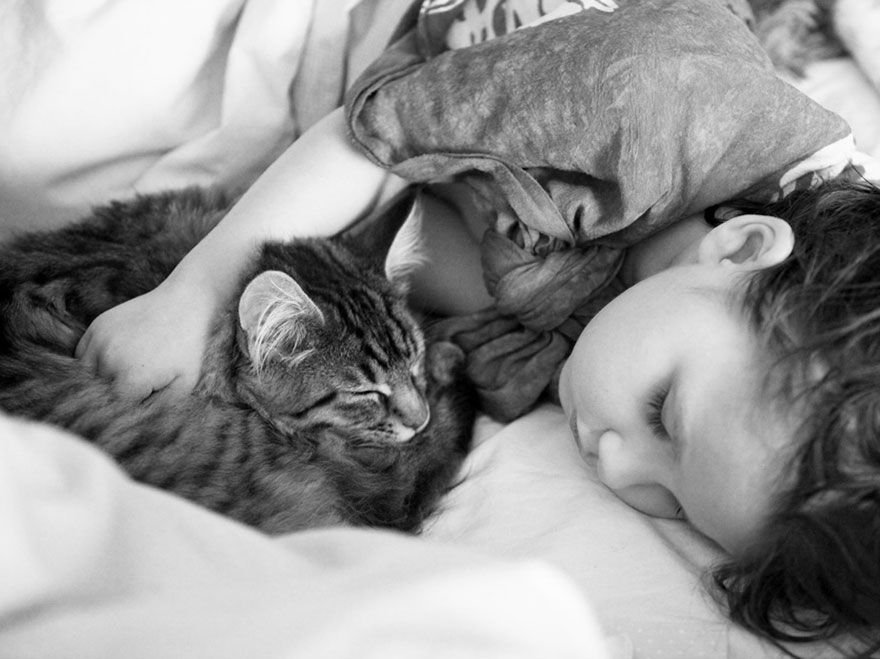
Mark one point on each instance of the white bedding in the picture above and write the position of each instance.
(93, 565)
(100, 99)
(530, 556)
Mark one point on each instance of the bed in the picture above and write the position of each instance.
(530, 556)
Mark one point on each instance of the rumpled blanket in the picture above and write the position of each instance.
(95, 565)
(584, 133)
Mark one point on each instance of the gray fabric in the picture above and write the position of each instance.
(591, 131)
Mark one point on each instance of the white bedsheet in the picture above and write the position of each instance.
(95, 566)
(100, 99)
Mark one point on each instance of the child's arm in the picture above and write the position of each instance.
(318, 186)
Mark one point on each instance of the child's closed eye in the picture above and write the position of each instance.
(655, 412)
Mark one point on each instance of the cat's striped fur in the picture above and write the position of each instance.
(325, 426)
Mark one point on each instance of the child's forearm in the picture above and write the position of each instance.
(155, 342)
(320, 185)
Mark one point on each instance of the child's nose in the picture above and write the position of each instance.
(625, 462)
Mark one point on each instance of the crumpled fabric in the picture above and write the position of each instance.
(584, 134)
(516, 349)
(96, 565)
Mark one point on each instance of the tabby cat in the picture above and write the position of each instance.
(314, 401)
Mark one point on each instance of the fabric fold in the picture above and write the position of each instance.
(585, 130)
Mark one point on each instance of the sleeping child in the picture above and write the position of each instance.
(724, 372)
(735, 384)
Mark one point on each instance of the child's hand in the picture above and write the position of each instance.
(155, 342)
(150, 343)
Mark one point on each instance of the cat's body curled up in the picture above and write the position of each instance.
(318, 403)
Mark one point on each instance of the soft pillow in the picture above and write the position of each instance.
(526, 493)
(588, 131)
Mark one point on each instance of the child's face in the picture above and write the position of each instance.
(664, 390)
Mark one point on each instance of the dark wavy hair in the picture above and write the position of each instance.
(814, 574)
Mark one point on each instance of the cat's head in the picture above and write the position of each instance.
(329, 342)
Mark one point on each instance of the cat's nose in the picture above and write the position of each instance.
(426, 421)
(416, 417)
(411, 409)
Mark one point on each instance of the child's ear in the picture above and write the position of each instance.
(748, 241)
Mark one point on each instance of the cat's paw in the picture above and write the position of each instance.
(445, 361)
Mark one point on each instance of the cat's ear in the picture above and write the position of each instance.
(407, 251)
(276, 315)
(392, 233)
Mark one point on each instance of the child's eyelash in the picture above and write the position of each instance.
(655, 412)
